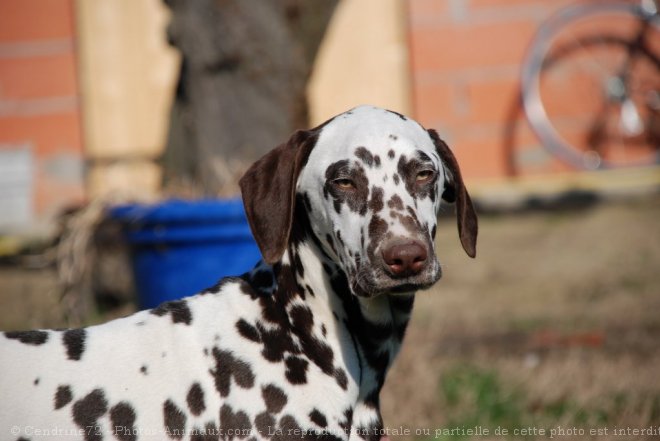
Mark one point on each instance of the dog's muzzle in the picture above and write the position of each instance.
(403, 265)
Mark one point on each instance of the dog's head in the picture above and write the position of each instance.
(370, 183)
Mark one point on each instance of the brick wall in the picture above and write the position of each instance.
(466, 57)
(39, 97)
(465, 62)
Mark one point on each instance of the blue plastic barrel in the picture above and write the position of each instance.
(182, 247)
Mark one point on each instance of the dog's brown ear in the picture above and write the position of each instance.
(455, 191)
(269, 193)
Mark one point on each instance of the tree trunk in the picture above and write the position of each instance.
(242, 85)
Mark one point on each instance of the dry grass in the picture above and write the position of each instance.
(560, 308)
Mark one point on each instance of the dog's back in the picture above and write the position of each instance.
(173, 371)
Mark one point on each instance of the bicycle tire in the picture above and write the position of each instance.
(537, 60)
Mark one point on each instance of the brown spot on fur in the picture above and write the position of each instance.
(28, 337)
(264, 423)
(395, 202)
(63, 396)
(318, 418)
(274, 398)
(178, 309)
(195, 399)
(340, 376)
(377, 229)
(234, 424)
(122, 420)
(296, 370)
(248, 331)
(74, 341)
(227, 367)
(87, 411)
(365, 156)
(174, 420)
(376, 201)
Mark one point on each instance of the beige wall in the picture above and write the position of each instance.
(363, 60)
(128, 75)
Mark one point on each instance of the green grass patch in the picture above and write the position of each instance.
(477, 398)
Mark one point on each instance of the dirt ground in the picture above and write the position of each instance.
(554, 326)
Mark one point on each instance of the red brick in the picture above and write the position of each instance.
(477, 4)
(535, 9)
(37, 77)
(524, 135)
(496, 4)
(530, 157)
(449, 48)
(571, 96)
(608, 24)
(489, 101)
(435, 101)
(471, 102)
(425, 8)
(479, 157)
(46, 133)
(35, 19)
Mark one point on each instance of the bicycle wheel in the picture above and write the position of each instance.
(591, 85)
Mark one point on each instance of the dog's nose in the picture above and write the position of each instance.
(405, 258)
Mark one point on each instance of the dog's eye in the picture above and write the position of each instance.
(424, 176)
(344, 184)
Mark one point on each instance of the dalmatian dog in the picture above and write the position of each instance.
(298, 348)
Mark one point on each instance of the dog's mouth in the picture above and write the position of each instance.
(376, 284)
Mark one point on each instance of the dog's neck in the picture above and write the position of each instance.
(376, 324)
(308, 294)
